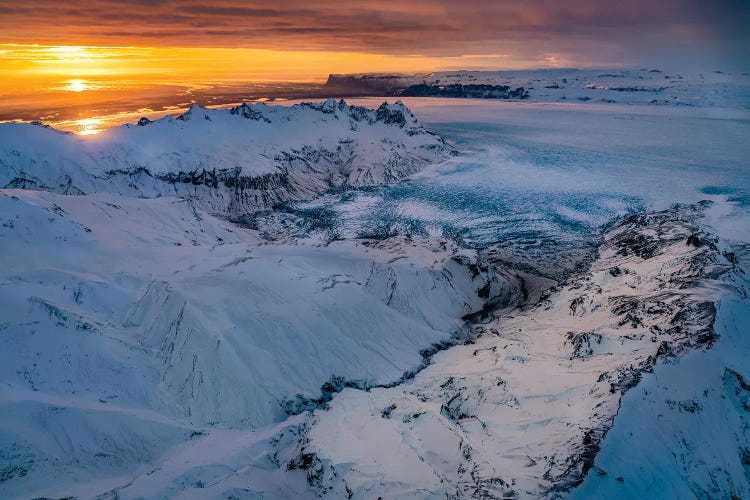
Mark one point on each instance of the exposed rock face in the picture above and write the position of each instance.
(522, 409)
(464, 91)
(365, 84)
(233, 161)
(405, 86)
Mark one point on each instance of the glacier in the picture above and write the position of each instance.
(330, 300)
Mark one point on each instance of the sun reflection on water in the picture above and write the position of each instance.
(88, 126)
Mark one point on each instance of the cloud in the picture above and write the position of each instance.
(584, 30)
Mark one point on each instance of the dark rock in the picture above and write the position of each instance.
(638, 89)
(616, 271)
(458, 90)
(386, 413)
(690, 406)
(737, 389)
(388, 115)
(695, 241)
(583, 343)
(246, 111)
(304, 461)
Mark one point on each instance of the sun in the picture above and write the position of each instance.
(76, 85)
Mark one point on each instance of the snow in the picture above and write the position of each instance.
(517, 411)
(686, 417)
(154, 348)
(116, 305)
(232, 160)
(682, 431)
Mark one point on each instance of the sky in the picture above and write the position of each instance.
(81, 57)
(305, 40)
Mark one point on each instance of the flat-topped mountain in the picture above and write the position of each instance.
(610, 86)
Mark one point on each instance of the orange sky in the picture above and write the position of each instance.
(307, 39)
(29, 62)
(83, 88)
(84, 58)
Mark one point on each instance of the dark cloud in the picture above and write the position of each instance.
(620, 31)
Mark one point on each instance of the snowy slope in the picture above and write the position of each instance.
(520, 410)
(232, 160)
(152, 349)
(132, 318)
(115, 304)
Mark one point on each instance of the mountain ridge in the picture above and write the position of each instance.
(233, 161)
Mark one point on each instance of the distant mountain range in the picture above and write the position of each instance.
(625, 86)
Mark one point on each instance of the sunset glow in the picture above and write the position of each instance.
(79, 83)
(25, 62)
(99, 55)
(89, 126)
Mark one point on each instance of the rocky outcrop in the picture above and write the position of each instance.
(364, 84)
(405, 86)
(465, 91)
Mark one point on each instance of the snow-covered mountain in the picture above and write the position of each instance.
(232, 161)
(130, 324)
(160, 340)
